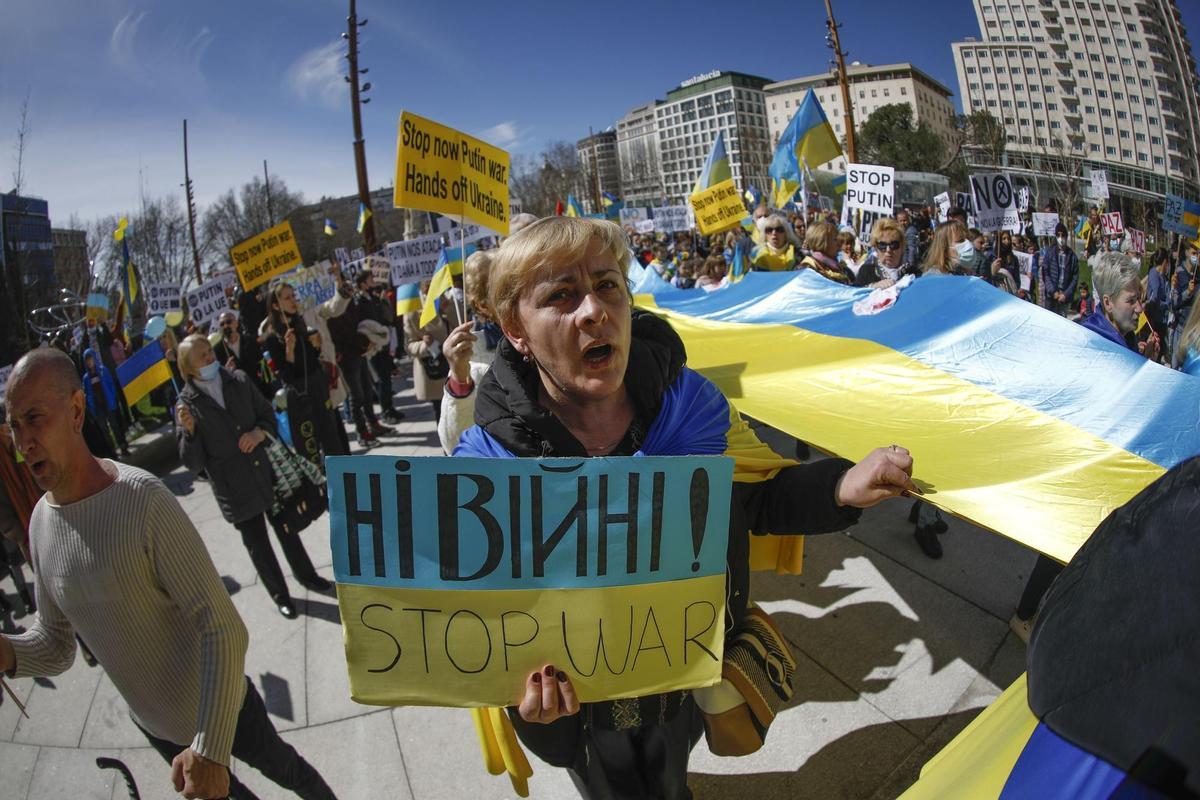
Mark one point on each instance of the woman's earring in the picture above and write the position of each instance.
(525, 358)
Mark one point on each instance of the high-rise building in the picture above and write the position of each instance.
(694, 113)
(26, 245)
(1109, 85)
(870, 88)
(71, 266)
(598, 162)
(638, 156)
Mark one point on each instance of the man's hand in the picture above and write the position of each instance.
(549, 695)
(885, 472)
(195, 776)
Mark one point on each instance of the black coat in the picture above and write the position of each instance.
(241, 482)
(798, 500)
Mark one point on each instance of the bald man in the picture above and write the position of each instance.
(117, 560)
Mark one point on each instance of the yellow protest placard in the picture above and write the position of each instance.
(443, 170)
(262, 257)
(718, 208)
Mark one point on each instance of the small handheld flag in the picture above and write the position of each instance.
(330, 227)
(145, 370)
(364, 214)
(573, 207)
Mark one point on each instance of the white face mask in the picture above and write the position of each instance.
(966, 253)
(761, 224)
(1062, 241)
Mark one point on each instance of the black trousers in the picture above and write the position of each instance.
(357, 373)
(256, 742)
(646, 762)
(384, 364)
(258, 545)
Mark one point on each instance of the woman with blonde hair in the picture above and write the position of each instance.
(779, 249)
(821, 242)
(886, 265)
(950, 252)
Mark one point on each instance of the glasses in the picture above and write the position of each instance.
(773, 230)
(895, 245)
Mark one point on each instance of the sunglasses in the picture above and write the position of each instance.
(774, 230)
(888, 245)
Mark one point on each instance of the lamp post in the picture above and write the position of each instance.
(356, 101)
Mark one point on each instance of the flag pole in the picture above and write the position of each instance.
(462, 251)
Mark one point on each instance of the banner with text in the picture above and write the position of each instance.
(1181, 216)
(1137, 240)
(414, 260)
(1111, 223)
(206, 302)
(718, 207)
(995, 202)
(871, 188)
(260, 258)
(313, 285)
(162, 299)
(671, 219)
(458, 577)
(631, 216)
(440, 169)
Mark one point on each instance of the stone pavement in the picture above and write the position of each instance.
(897, 653)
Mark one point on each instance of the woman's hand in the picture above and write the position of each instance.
(250, 440)
(997, 265)
(549, 695)
(458, 348)
(184, 417)
(289, 344)
(885, 472)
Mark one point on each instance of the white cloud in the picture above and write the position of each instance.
(122, 45)
(318, 74)
(505, 135)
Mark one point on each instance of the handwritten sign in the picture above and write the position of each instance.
(1181, 216)
(313, 285)
(718, 207)
(1044, 224)
(1099, 184)
(644, 226)
(1111, 223)
(162, 299)
(671, 219)
(995, 201)
(440, 169)
(458, 577)
(206, 302)
(629, 216)
(1137, 240)
(414, 260)
(871, 188)
(260, 258)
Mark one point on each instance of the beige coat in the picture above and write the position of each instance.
(423, 387)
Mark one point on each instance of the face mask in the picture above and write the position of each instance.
(761, 224)
(210, 371)
(1114, 245)
(966, 253)
(1194, 260)
(1062, 241)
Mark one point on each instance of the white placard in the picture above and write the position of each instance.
(1111, 223)
(1025, 266)
(206, 302)
(1044, 224)
(943, 205)
(470, 232)
(631, 215)
(341, 255)
(644, 226)
(163, 298)
(670, 219)
(995, 201)
(1099, 184)
(1137, 240)
(1023, 199)
(414, 260)
(871, 188)
(313, 285)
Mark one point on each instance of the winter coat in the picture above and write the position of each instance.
(241, 482)
(424, 387)
(106, 382)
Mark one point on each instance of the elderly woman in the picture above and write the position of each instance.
(424, 344)
(580, 374)
(223, 422)
(887, 265)
(821, 242)
(779, 248)
(1119, 304)
(467, 353)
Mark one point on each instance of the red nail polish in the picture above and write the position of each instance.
(537, 677)
(549, 671)
(562, 677)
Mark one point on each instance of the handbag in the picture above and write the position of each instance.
(756, 682)
(436, 366)
(299, 486)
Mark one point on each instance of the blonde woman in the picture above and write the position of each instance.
(886, 265)
(821, 242)
(950, 252)
(779, 249)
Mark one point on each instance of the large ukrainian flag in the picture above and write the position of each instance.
(1018, 420)
(808, 141)
(144, 371)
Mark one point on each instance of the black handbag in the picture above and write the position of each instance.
(436, 367)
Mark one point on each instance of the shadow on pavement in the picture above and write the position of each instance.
(318, 610)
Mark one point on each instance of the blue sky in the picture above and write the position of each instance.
(111, 80)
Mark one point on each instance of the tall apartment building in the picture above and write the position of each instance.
(638, 156)
(689, 120)
(1112, 84)
(870, 88)
(71, 267)
(601, 173)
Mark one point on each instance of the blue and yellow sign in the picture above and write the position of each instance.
(458, 577)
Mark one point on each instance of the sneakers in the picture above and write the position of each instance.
(369, 441)
(392, 416)
(381, 430)
(927, 540)
(1021, 627)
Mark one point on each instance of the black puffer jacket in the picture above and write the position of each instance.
(798, 500)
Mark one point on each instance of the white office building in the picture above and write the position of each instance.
(638, 156)
(1112, 84)
(870, 88)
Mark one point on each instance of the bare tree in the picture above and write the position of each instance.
(543, 180)
(21, 143)
(234, 218)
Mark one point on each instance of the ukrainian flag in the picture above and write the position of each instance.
(573, 207)
(808, 140)
(129, 281)
(753, 196)
(450, 263)
(839, 184)
(408, 298)
(1023, 425)
(716, 168)
(97, 305)
(145, 370)
(330, 227)
(612, 205)
(364, 214)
